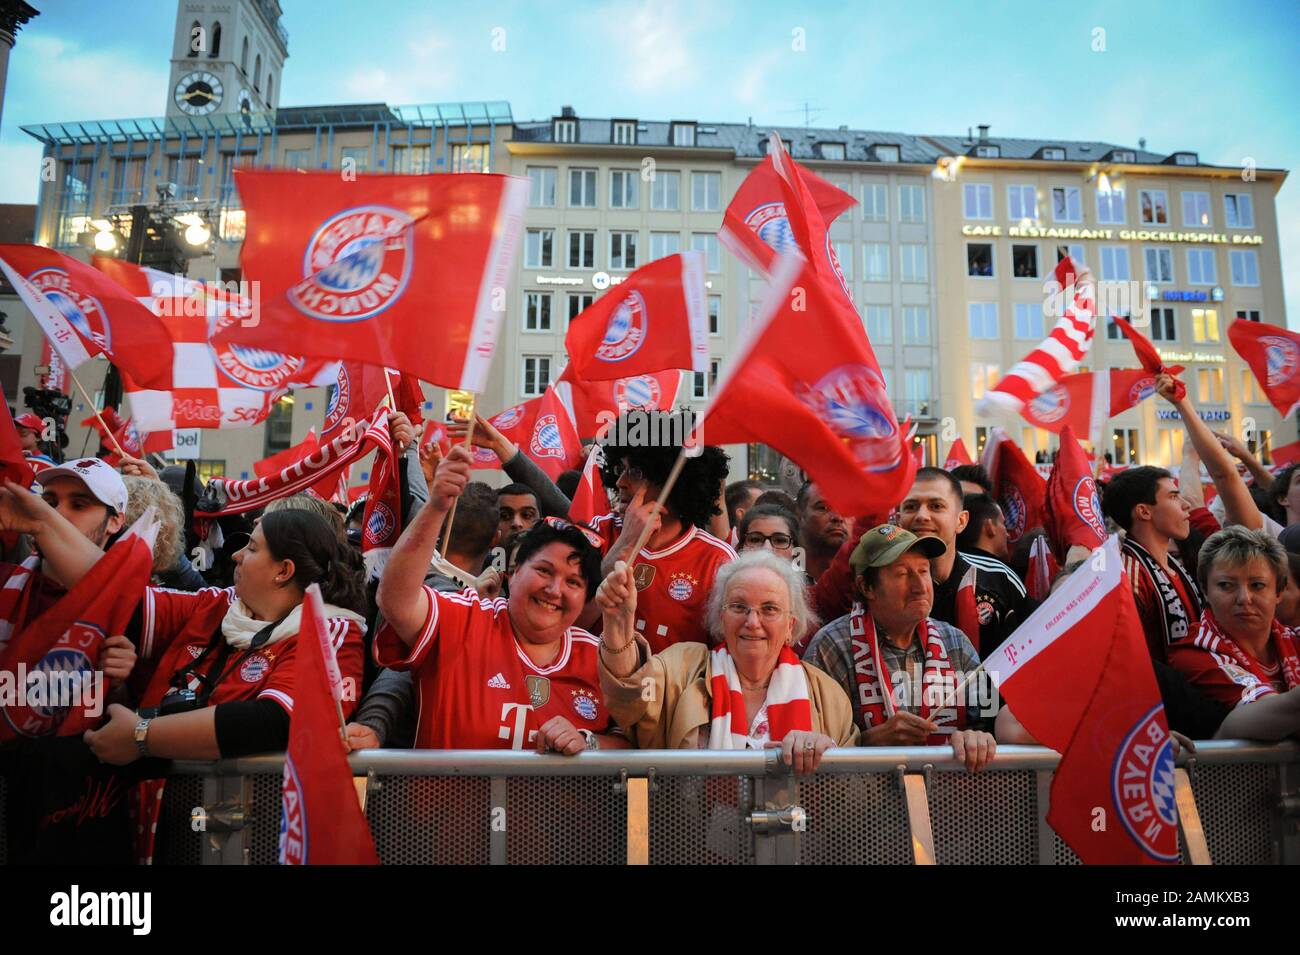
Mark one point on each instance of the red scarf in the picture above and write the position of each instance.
(937, 700)
(788, 706)
(15, 596)
(1212, 638)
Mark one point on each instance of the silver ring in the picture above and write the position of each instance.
(809, 745)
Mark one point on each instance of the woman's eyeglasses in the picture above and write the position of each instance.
(767, 612)
(779, 541)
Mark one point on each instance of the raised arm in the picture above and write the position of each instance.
(519, 466)
(68, 554)
(1237, 448)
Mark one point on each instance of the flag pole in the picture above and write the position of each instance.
(469, 438)
(104, 424)
(658, 506)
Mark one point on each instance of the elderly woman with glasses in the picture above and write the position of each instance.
(749, 692)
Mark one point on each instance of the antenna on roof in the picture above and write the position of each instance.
(807, 111)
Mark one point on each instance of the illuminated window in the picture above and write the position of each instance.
(1196, 209)
(1205, 325)
(1153, 206)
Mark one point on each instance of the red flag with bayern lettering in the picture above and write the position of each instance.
(551, 440)
(597, 404)
(321, 822)
(1072, 508)
(1072, 401)
(819, 399)
(957, 456)
(406, 272)
(1017, 485)
(1273, 354)
(1078, 677)
(654, 319)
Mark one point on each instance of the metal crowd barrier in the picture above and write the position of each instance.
(1239, 803)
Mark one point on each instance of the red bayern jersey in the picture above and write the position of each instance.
(1226, 673)
(476, 687)
(176, 626)
(673, 585)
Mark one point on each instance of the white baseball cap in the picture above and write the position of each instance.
(100, 478)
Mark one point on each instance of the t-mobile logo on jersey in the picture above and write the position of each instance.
(513, 727)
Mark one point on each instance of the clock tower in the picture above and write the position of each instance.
(227, 57)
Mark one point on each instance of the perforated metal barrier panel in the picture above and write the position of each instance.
(437, 808)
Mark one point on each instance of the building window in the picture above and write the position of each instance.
(979, 259)
(624, 134)
(355, 158)
(1249, 315)
(916, 325)
(1205, 325)
(1022, 203)
(1160, 264)
(1024, 261)
(664, 191)
(1196, 209)
(912, 263)
(1029, 320)
(983, 376)
(983, 318)
(844, 255)
(623, 189)
(582, 250)
(243, 58)
(1209, 385)
(1113, 332)
(1263, 447)
(536, 375)
(412, 160)
(1110, 207)
(1245, 266)
(1124, 446)
(1114, 263)
(1251, 393)
(1238, 211)
(664, 243)
(880, 325)
(622, 250)
(1170, 446)
(128, 179)
(715, 315)
(702, 383)
(184, 171)
(1153, 206)
(582, 188)
(541, 187)
(885, 153)
(916, 392)
(876, 262)
(257, 73)
(707, 243)
(208, 468)
(469, 157)
(537, 312)
(279, 428)
(977, 200)
(1200, 267)
(706, 191)
(1074, 251)
(911, 204)
(1163, 325)
(566, 130)
(875, 202)
(833, 152)
(216, 40)
(539, 249)
(683, 134)
(1066, 205)
(579, 302)
(270, 83)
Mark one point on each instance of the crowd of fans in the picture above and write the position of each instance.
(748, 619)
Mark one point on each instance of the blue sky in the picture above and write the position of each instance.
(1216, 78)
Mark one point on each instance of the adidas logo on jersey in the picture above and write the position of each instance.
(498, 682)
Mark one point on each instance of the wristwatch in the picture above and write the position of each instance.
(142, 737)
(590, 737)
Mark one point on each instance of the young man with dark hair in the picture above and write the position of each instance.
(986, 529)
(974, 479)
(740, 496)
(935, 505)
(1145, 502)
(675, 569)
(822, 531)
(518, 511)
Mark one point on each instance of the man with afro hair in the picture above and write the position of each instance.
(674, 571)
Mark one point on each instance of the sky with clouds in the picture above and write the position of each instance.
(1212, 77)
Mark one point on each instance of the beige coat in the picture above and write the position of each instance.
(677, 682)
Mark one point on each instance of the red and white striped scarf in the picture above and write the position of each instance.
(1224, 649)
(1058, 355)
(937, 702)
(15, 593)
(788, 705)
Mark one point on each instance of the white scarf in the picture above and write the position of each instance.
(788, 705)
(239, 627)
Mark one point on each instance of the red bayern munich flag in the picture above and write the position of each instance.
(1017, 485)
(1273, 354)
(957, 456)
(407, 272)
(597, 404)
(1078, 677)
(1072, 507)
(654, 319)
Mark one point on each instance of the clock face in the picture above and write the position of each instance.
(198, 93)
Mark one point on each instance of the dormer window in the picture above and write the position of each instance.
(1054, 153)
(988, 151)
(1185, 159)
(683, 134)
(832, 151)
(566, 130)
(624, 132)
(885, 153)
(1123, 155)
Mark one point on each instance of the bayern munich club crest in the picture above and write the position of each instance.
(1087, 505)
(1142, 786)
(340, 399)
(256, 368)
(770, 223)
(356, 265)
(83, 312)
(641, 393)
(851, 399)
(43, 720)
(508, 418)
(626, 331)
(546, 442)
(1014, 511)
(1282, 356)
(254, 668)
(380, 524)
(1142, 389)
(293, 817)
(1051, 406)
(584, 704)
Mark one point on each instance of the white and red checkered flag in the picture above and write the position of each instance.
(1058, 355)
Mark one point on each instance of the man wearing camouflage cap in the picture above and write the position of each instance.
(899, 666)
